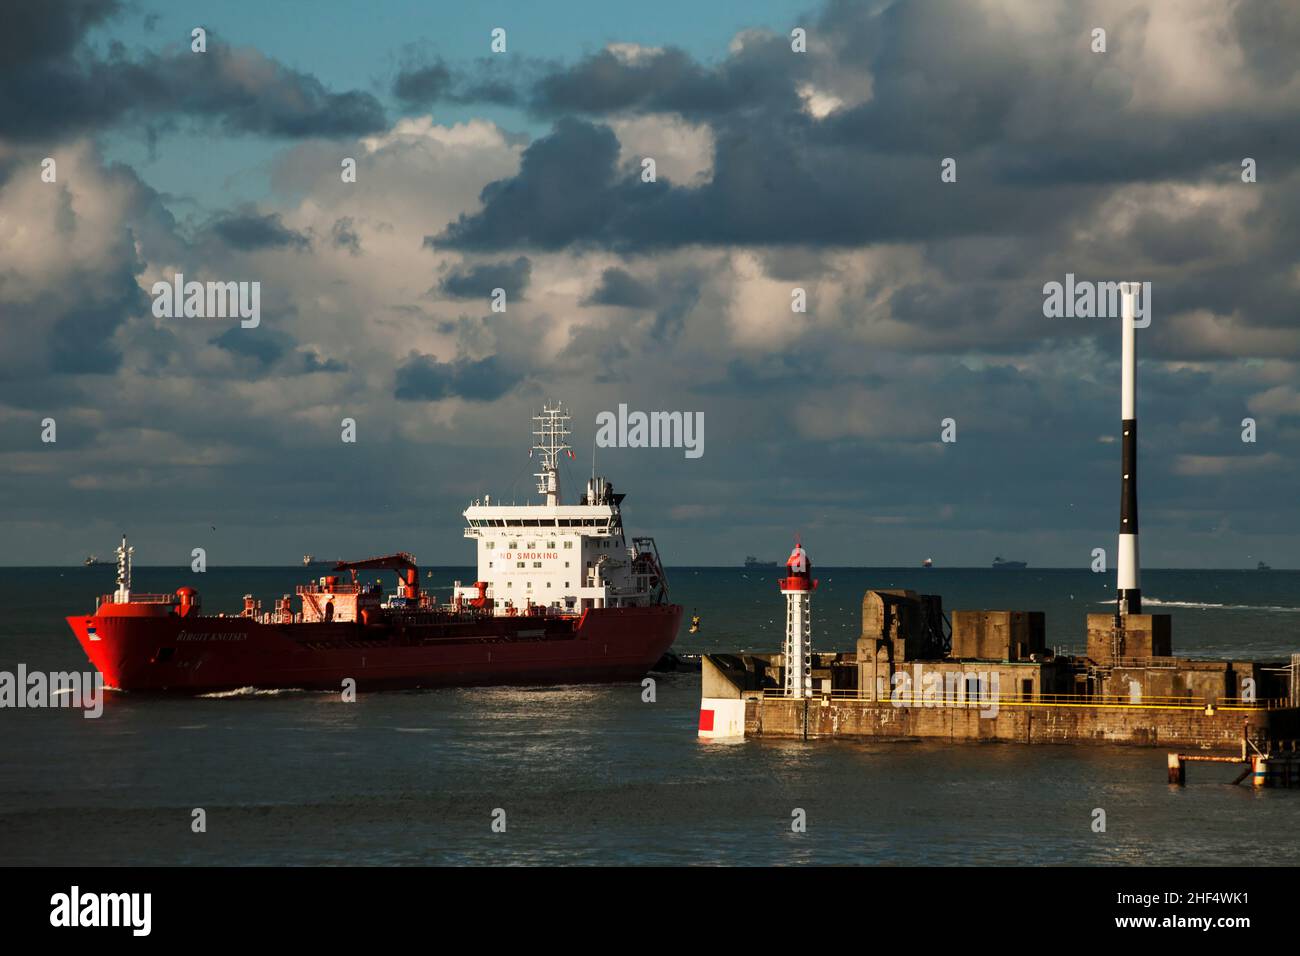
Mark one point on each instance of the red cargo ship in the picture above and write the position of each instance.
(562, 597)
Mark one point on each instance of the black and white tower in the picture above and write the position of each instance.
(1129, 593)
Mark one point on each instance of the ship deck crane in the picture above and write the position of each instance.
(408, 577)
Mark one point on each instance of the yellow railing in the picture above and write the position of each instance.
(972, 701)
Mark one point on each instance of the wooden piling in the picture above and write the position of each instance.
(1177, 770)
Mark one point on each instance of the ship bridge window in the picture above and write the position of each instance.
(550, 546)
(532, 544)
(513, 545)
(521, 564)
(490, 545)
(568, 545)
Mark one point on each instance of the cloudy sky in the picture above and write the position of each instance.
(776, 170)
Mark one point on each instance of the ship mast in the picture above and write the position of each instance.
(123, 594)
(551, 428)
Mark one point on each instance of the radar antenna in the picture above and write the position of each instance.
(551, 428)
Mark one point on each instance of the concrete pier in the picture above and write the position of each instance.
(993, 678)
(1080, 720)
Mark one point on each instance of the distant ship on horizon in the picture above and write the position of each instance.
(92, 561)
(1263, 567)
(753, 562)
(1002, 565)
(927, 563)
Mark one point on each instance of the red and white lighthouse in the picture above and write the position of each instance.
(798, 586)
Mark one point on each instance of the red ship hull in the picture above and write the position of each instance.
(150, 648)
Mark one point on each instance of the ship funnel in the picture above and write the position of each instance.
(1128, 590)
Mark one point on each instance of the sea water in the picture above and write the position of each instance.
(598, 775)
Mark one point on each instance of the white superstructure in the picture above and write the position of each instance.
(562, 557)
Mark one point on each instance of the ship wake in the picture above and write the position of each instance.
(1210, 606)
(257, 692)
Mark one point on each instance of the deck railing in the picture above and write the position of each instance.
(974, 700)
(139, 597)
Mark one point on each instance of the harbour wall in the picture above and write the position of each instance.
(1015, 722)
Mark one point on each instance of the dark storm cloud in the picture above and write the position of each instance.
(419, 86)
(1269, 34)
(670, 320)
(776, 189)
(422, 378)
(39, 31)
(70, 327)
(948, 81)
(763, 73)
(251, 231)
(52, 84)
(344, 236)
(311, 362)
(672, 294)
(421, 83)
(75, 335)
(266, 346)
(478, 281)
(666, 80)
(619, 288)
(566, 190)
